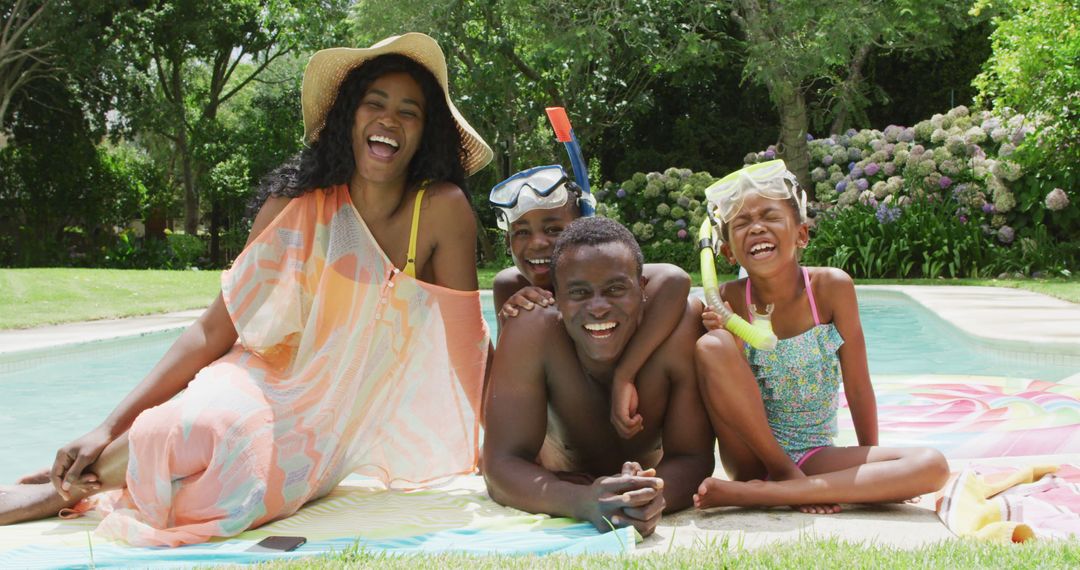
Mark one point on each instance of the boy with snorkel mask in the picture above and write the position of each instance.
(533, 207)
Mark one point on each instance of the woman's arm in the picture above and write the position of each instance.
(839, 290)
(453, 259)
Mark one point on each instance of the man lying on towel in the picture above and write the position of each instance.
(549, 445)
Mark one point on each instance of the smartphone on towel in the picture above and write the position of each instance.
(278, 544)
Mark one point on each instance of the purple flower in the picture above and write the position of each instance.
(872, 169)
(770, 154)
(988, 208)
(682, 234)
(809, 137)
(862, 184)
(857, 172)
(850, 166)
(827, 160)
(945, 182)
(963, 219)
(680, 222)
(1057, 200)
(841, 186)
(886, 215)
(889, 169)
(851, 132)
(620, 193)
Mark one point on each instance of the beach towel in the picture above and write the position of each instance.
(359, 515)
(1014, 504)
(345, 364)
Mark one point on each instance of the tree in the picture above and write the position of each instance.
(797, 47)
(22, 60)
(196, 56)
(1033, 69)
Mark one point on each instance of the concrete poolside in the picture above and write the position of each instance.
(1010, 320)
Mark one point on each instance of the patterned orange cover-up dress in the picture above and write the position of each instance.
(344, 365)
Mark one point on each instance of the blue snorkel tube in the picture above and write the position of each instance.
(564, 133)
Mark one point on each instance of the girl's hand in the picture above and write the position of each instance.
(73, 458)
(711, 319)
(526, 298)
(624, 404)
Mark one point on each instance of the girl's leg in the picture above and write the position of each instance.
(841, 475)
(733, 400)
(26, 502)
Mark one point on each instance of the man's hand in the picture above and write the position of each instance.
(526, 298)
(624, 404)
(634, 498)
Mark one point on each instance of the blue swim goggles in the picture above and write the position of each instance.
(538, 188)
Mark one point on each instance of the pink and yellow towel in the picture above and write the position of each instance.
(1012, 503)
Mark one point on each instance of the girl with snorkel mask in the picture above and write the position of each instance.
(533, 206)
(774, 412)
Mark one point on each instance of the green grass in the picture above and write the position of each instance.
(41, 296)
(804, 553)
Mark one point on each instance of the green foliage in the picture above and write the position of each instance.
(930, 238)
(663, 210)
(1033, 68)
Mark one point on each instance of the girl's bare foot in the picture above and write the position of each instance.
(808, 509)
(719, 493)
(715, 492)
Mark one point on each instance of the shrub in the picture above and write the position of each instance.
(663, 210)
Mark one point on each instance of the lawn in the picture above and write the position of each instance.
(35, 297)
(806, 553)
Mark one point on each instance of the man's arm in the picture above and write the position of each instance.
(687, 435)
(516, 423)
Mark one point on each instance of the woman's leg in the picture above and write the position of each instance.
(26, 502)
(843, 475)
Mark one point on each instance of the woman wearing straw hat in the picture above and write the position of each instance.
(361, 343)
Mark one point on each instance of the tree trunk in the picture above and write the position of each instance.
(791, 103)
(215, 231)
(191, 197)
(849, 90)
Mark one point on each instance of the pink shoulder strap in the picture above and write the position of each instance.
(810, 295)
(749, 311)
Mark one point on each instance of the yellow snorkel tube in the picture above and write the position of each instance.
(759, 337)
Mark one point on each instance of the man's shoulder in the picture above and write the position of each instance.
(538, 325)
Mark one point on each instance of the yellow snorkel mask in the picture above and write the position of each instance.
(770, 180)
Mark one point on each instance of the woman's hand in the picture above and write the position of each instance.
(74, 458)
(526, 298)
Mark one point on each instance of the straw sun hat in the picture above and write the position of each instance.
(328, 68)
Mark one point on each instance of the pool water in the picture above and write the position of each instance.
(47, 403)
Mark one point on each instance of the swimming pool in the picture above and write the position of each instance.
(58, 395)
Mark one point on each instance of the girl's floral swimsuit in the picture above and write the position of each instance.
(800, 384)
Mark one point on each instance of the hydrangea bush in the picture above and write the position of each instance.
(965, 163)
(663, 210)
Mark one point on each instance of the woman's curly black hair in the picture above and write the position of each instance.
(329, 160)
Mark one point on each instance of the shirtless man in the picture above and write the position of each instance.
(549, 445)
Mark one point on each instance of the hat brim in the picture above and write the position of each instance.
(327, 70)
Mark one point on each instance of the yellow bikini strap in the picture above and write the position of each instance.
(410, 264)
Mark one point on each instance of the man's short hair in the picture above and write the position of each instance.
(594, 231)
